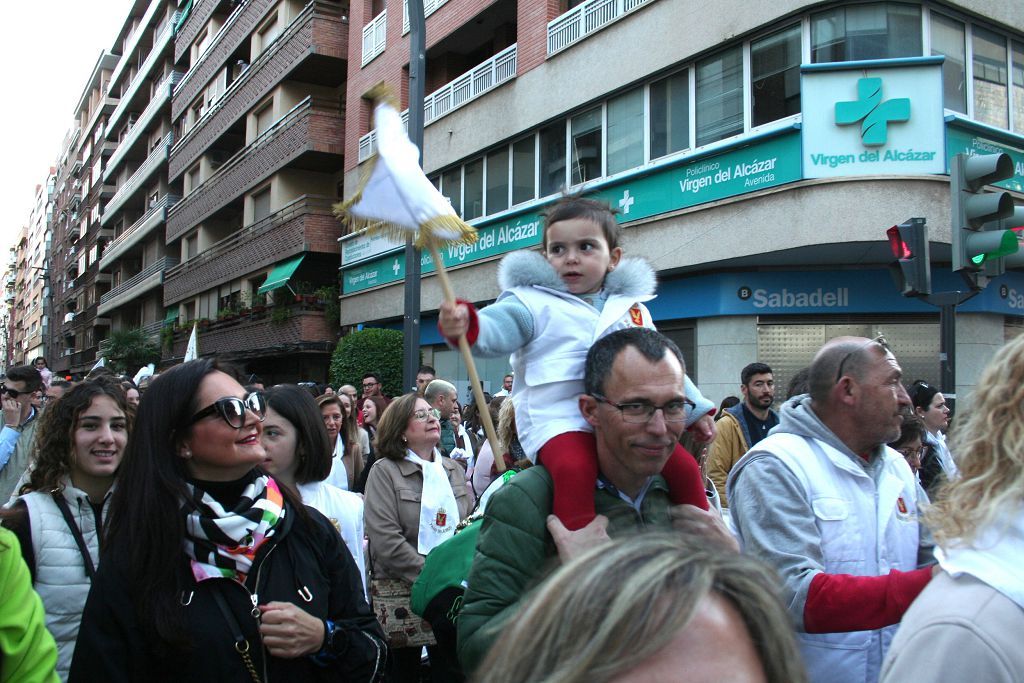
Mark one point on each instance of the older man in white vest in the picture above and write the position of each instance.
(834, 510)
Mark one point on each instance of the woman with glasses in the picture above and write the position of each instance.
(937, 465)
(414, 499)
(59, 517)
(212, 570)
(910, 443)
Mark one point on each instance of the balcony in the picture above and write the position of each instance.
(237, 28)
(259, 335)
(154, 56)
(154, 217)
(197, 18)
(153, 162)
(128, 53)
(306, 49)
(312, 127)
(161, 96)
(151, 330)
(429, 7)
(583, 20)
(148, 278)
(305, 224)
(464, 89)
(375, 37)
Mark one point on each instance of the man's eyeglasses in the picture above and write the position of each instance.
(367, 385)
(426, 415)
(232, 409)
(13, 393)
(641, 413)
(880, 340)
(911, 452)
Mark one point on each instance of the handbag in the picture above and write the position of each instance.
(391, 605)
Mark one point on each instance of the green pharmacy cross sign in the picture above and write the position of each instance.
(872, 111)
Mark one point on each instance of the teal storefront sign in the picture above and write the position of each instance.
(965, 137)
(767, 162)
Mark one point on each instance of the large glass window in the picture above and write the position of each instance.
(948, 40)
(552, 158)
(670, 114)
(451, 187)
(1018, 87)
(720, 96)
(473, 190)
(626, 131)
(989, 63)
(523, 168)
(587, 152)
(874, 31)
(497, 180)
(775, 76)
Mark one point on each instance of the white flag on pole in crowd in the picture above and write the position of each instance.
(144, 372)
(101, 363)
(191, 352)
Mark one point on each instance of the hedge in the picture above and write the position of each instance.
(370, 350)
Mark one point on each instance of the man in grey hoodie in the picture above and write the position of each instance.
(834, 510)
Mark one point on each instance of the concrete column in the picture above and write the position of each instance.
(724, 346)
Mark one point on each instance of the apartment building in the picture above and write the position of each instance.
(140, 133)
(711, 128)
(20, 304)
(38, 300)
(257, 158)
(80, 192)
(7, 307)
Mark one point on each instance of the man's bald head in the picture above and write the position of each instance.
(846, 355)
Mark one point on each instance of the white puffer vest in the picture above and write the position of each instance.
(866, 530)
(61, 580)
(549, 370)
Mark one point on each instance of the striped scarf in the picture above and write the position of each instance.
(222, 543)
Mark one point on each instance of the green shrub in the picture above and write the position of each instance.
(370, 350)
(130, 349)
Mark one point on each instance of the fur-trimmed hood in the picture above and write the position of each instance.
(632, 277)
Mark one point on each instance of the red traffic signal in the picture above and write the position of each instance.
(899, 248)
(912, 267)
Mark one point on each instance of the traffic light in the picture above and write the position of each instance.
(1015, 223)
(909, 244)
(975, 248)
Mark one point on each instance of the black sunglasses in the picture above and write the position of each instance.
(13, 393)
(232, 409)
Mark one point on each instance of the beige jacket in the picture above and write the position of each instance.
(392, 512)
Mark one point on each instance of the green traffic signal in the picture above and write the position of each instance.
(979, 247)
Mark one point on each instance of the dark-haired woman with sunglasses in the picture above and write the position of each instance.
(212, 571)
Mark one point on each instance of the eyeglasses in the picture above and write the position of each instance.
(232, 409)
(880, 340)
(367, 385)
(641, 413)
(426, 415)
(13, 393)
(911, 452)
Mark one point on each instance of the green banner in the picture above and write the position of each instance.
(759, 165)
(963, 141)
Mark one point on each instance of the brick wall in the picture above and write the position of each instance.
(316, 128)
(307, 225)
(261, 337)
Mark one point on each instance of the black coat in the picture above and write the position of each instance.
(310, 555)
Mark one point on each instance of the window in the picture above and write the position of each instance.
(989, 63)
(192, 246)
(451, 187)
(523, 168)
(153, 199)
(261, 204)
(626, 131)
(720, 96)
(775, 76)
(473, 190)
(948, 40)
(552, 158)
(497, 180)
(192, 179)
(873, 31)
(269, 31)
(587, 148)
(264, 118)
(1018, 87)
(670, 114)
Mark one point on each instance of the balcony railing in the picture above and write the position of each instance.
(467, 87)
(155, 160)
(161, 96)
(128, 54)
(582, 20)
(429, 7)
(140, 283)
(374, 37)
(153, 217)
(211, 47)
(151, 59)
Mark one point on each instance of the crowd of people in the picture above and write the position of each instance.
(205, 526)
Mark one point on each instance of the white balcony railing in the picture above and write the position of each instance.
(429, 7)
(374, 35)
(154, 55)
(161, 96)
(584, 19)
(157, 157)
(128, 51)
(467, 87)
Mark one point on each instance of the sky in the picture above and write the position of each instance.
(48, 51)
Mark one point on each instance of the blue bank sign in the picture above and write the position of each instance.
(871, 118)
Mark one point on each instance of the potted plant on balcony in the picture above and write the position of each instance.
(204, 323)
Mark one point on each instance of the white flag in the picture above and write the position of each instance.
(101, 363)
(191, 352)
(144, 372)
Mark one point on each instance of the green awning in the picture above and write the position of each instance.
(172, 316)
(281, 273)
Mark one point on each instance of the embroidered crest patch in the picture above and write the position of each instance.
(636, 316)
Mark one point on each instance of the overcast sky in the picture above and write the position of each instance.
(48, 52)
